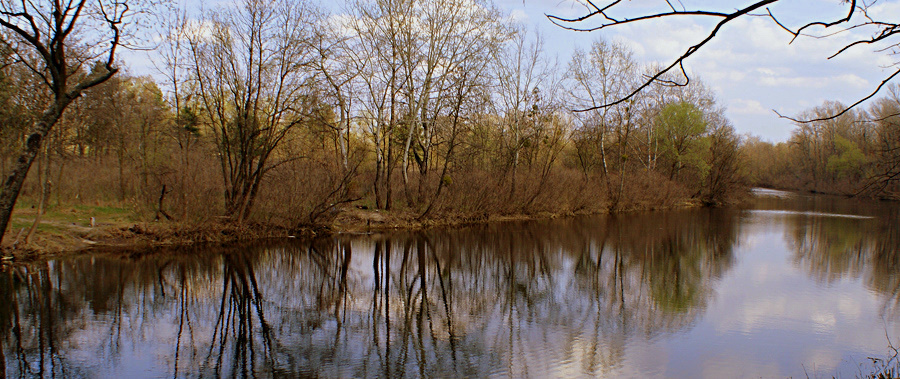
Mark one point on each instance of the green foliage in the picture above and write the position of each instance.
(681, 127)
(680, 122)
(189, 121)
(697, 157)
(848, 160)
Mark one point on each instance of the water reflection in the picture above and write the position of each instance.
(556, 298)
(835, 248)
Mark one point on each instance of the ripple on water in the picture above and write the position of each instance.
(807, 213)
(766, 192)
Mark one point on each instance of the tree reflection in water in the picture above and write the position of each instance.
(831, 247)
(554, 298)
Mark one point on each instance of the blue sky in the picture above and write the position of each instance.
(750, 65)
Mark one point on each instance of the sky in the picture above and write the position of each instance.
(751, 64)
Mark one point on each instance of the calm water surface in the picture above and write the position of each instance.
(794, 286)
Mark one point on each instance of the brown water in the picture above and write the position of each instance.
(796, 286)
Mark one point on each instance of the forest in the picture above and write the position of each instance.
(290, 113)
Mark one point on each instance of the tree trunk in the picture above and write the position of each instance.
(9, 193)
(515, 162)
(13, 184)
(59, 176)
(446, 167)
(160, 210)
(609, 186)
(378, 173)
(406, 147)
(389, 173)
(623, 156)
(3, 361)
(182, 180)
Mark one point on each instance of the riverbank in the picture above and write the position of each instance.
(84, 229)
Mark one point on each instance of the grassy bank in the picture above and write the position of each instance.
(74, 229)
(70, 230)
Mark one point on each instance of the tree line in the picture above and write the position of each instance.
(856, 153)
(282, 111)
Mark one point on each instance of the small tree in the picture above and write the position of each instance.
(681, 127)
(724, 161)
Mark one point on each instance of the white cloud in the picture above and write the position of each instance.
(745, 106)
(662, 40)
(518, 16)
(885, 11)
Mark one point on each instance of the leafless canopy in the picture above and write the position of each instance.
(601, 15)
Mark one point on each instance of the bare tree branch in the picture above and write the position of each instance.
(678, 62)
(885, 32)
(847, 109)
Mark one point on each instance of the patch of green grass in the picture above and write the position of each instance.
(103, 210)
(17, 225)
(82, 215)
(79, 215)
(21, 223)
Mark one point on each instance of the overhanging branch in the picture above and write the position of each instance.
(679, 62)
(885, 31)
(847, 109)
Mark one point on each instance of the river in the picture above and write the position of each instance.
(791, 286)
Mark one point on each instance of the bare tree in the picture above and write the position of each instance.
(445, 38)
(375, 32)
(71, 46)
(250, 66)
(522, 71)
(411, 55)
(604, 73)
(335, 65)
(174, 65)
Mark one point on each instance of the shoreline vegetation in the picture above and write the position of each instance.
(69, 232)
